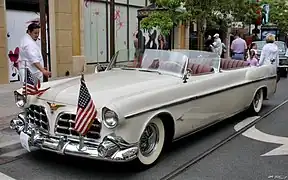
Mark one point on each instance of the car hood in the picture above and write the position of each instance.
(106, 87)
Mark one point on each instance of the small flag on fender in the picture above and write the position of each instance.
(32, 85)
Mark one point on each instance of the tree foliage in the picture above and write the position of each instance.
(216, 13)
(278, 13)
(167, 18)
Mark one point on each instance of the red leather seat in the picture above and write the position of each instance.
(155, 64)
(200, 68)
(233, 64)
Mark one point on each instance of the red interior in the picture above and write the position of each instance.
(200, 68)
(233, 64)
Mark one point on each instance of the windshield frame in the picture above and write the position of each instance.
(179, 54)
(194, 54)
(276, 42)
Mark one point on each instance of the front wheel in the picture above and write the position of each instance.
(151, 142)
(257, 102)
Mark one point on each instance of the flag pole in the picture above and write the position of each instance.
(81, 137)
(81, 142)
(25, 96)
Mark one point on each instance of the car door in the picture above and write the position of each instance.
(216, 96)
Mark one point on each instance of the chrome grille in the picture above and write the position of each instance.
(66, 123)
(37, 115)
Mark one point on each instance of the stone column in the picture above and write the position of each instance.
(77, 33)
(187, 36)
(177, 37)
(182, 36)
(66, 36)
(4, 70)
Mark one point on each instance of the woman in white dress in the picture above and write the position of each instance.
(270, 54)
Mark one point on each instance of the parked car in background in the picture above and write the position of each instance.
(283, 59)
(143, 106)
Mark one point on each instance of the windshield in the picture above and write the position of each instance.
(160, 61)
(280, 44)
(202, 57)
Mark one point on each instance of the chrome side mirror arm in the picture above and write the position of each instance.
(186, 75)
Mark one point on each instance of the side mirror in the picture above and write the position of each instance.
(187, 74)
(98, 68)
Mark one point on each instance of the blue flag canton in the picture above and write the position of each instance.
(84, 96)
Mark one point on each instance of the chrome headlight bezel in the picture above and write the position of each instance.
(110, 118)
(20, 100)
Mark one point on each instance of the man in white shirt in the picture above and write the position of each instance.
(238, 47)
(31, 55)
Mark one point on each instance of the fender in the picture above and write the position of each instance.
(137, 124)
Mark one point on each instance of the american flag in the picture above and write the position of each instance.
(32, 85)
(86, 110)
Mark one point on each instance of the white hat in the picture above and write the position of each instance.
(216, 35)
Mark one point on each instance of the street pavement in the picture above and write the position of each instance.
(259, 153)
(239, 159)
(8, 108)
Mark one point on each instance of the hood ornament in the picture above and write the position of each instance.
(54, 107)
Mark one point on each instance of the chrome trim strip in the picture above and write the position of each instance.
(195, 97)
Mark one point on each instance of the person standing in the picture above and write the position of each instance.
(31, 55)
(161, 42)
(208, 42)
(270, 54)
(217, 45)
(238, 47)
(253, 47)
(252, 60)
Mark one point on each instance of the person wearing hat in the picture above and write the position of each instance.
(238, 47)
(270, 53)
(31, 55)
(217, 45)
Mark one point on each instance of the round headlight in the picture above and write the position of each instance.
(110, 118)
(19, 99)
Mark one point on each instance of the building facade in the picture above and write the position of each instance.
(78, 35)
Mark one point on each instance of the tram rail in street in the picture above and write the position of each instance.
(209, 151)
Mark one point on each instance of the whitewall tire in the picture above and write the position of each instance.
(257, 102)
(151, 142)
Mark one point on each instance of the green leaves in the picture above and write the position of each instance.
(278, 13)
(165, 20)
(217, 13)
(162, 20)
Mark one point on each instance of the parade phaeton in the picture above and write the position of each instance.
(141, 104)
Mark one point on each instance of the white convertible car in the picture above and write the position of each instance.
(143, 104)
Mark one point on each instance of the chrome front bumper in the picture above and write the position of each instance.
(112, 148)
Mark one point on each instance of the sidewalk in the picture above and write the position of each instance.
(8, 108)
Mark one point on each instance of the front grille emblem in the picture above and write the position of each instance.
(54, 107)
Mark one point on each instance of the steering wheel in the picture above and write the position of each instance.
(171, 64)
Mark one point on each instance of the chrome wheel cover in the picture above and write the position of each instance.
(257, 99)
(149, 139)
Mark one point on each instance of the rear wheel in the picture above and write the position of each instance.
(151, 142)
(257, 102)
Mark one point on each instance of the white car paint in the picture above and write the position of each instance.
(137, 97)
